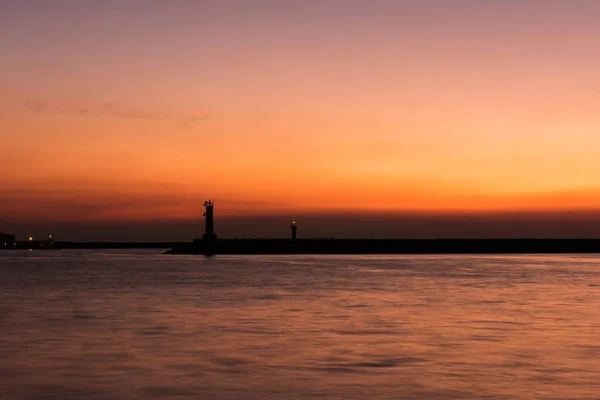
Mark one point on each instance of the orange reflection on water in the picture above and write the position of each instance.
(121, 326)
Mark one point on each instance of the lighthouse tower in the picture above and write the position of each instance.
(209, 232)
(294, 228)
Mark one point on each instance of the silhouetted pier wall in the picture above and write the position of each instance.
(389, 246)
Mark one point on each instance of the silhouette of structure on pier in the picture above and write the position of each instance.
(294, 229)
(7, 241)
(209, 245)
(209, 232)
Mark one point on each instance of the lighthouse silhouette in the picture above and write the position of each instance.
(294, 228)
(209, 232)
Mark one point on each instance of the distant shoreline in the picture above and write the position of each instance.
(43, 245)
(338, 246)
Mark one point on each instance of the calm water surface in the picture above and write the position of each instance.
(140, 325)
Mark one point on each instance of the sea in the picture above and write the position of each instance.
(144, 325)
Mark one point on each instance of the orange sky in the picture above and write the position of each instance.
(146, 109)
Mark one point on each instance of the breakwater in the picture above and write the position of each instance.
(388, 246)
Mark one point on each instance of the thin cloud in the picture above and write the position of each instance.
(35, 106)
(120, 110)
(81, 111)
(190, 122)
(114, 109)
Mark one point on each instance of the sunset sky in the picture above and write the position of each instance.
(128, 114)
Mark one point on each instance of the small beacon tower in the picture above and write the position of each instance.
(209, 232)
(294, 228)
